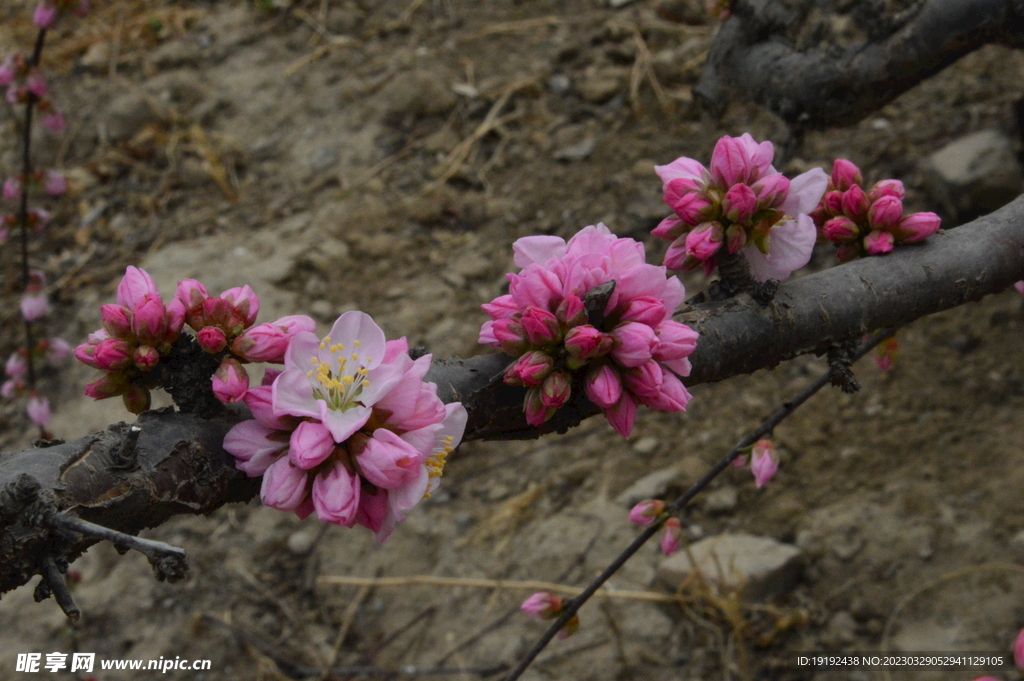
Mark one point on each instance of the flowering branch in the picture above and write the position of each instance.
(178, 464)
(753, 56)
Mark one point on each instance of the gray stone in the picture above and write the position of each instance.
(417, 93)
(762, 567)
(127, 115)
(721, 500)
(841, 629)
(301, 542)
(646, 445)
(576, 152)
(650, 486)
(599, 85)
(974, 175)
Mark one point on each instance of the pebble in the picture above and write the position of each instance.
(650, 486)
(301, 542)
(974, 175)
(841, 628)
(599, 85)
(761, 566)
(127, 115)
(721, 500)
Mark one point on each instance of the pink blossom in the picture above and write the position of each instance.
(1018, 651)
(855, 203)
(336, 496)
(230, 381)
(34, 306)
(136, 288)
(255, 446)
(771, 190)
(532, 368)
(54, 184)
(1020, 287)
(537, 250)
(192, 295)
(893, 188)
(646, 512)
(44, 15)
(876, 242)
(53, 121)
(36, 85)
(762, 462)
(111, 354)
(388, 461)
(622, 414)
(12, 189)
(541, 326)
(16, 367)
(635, 344)
(8, 71)
(10, 389)
(584, 342)
(245, 305)
(672, 539)
(39, 410)
(534, 409)
(57, 349)
(917, 227)
(543, 606)
(691, 206)
(790, 244)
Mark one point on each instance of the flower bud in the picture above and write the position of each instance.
(535, 410)
(845, 174)
(34, 306)
(149, 321)
(892, 188)
(541, 326)
(645, 513)
(762, 462)
(1018, 651)
(211, 339)
(510, 335)
(735, 237)
(645, 310)
(585, 342)
(739, 203)
(56, 349)
(16, 366)
(855, 203)
(311, 443)
(635, 344)
(543, 606)
(885, 213)
(691, 206)
(12, 189)
(39, 410)
(107, 385)
(261, 343)
(136, 398)
(145, 357)
(673, 537)
(556, 390)
(603, 386)
(571, 312)
(36, 85)
(918, 227)
(117, 320)
(848, 252)
(192, 295)
(832, 202)
(55, 185)
(135, 288)
(840, 230)
(245, 305)
(704, 240)
(533, 367)
(877, 242)
(53, 121)
(772, 190)
(670, 228)
(112, 354)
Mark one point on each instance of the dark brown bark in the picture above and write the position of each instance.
(177, 466)
(783, 55)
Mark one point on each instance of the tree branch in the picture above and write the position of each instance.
(176, 465)
(762, 52)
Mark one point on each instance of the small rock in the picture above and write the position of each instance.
(974, 175)
(126, 115)
(324, 157)
(649, 487)
(417, 93)
(646, 445)
(721, 500)
(599, 85)
(576, 152)
(97, 56)
(763, 567)
(848, 549)
(559, 83)
(615, 4)
(301, 542)
(175, 54)
(841, 628)
(694, 532)
(321, 308)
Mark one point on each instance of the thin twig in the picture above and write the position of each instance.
(168, 561)
(59, 588)
(766, 427)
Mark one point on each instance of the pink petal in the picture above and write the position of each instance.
(537, 249)
(789, 248)
(805, 192)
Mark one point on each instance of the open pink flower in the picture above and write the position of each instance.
(365, 433)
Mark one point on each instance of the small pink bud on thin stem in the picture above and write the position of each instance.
(646, 512)
(211, 339)
(845, 174)
(543, 606)
(39, 410)
(762, 462)
(44, 15)
(673, 537)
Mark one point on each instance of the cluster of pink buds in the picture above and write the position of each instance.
(741, 204)
(763, 460)
(627, 352)
(24, 84)
(48, 11)
(349, 430)
(548, 606)
(871, 222)
(137, 331)
(224, 326)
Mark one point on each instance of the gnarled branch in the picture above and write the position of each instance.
(176, 464)
(786, 56)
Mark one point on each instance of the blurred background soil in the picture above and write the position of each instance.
(383, 156)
